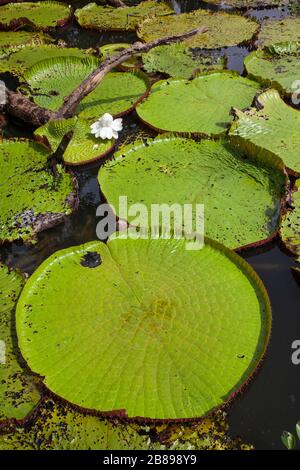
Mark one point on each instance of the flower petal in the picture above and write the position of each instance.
(117, 125)
(103, 132)
(106, 119)
(115, 134)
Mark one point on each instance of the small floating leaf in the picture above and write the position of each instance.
(201, 105)
(288, 440)
(83, 147)
(241, 196)
(223, 29)
(18, 394)
(42, 14)
(94, 16)
(273, 127)
(151, 319)
(32, 198)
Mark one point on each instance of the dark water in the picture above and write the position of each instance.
(271, 403)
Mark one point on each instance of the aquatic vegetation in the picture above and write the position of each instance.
(200, 106)
(18, 393)
(83, 147)
(279, 31)
(109, 49)
(290, 224)
(16, 40)
(223, 29)
(106, 127)
(288, 439)
(33, 198)
(272, 127)
(161, 300)
(51, 80)
(247, 3)
(241, 196)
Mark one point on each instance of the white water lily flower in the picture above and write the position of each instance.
(107, 127)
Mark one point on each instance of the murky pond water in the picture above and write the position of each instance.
(271, 403)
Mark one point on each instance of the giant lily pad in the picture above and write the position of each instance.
(111, 49)
(83, 147)
(53, 79)
(148, 329)
(41, 14)
(241, 196)
(290, 225)
(15, 40)
(18, 394)
(200, 106)
(273, 127)
(114, 19)
(178, 61)
(223, 29)
(24, 58)
(247, 3)
(32, 198)
(279, 31)
(274, 68)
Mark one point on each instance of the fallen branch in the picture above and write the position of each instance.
(19, 106)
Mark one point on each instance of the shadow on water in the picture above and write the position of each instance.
(271, 403)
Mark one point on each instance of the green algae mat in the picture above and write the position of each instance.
(168, 304)
(33, 198)
(272, 127)
(18, 394)
(52, 79)
(94, 16)
(200, 106)
(41, 14)
(224, 29)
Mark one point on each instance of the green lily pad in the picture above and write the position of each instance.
(111, 49)
(223, 29)
(198, 106)
(18, 394)
(247, 3)
(278, 70)
(83, 147)
(94, 16)
(16, 40)
(32, 198)
(21, 60)
(273, 127)
(290, 224)
(279, 31)
(53, 79)
(241, 196)
(119, 344)
(42, 14)
(178, 61)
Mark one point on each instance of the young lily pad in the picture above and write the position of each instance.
(178, 61)
(83, 147)
(273, 127)
(150, 319)
(290, 225)
(94, 16)
(199, 106)
(241, 196)
(223, 29)
(53, 79)
(21, 60)
(247, 3)
(271, 68)
(111, 49)
(279, 31)
(16, 40)
(18, 394)
(43, 15)
(32, 197)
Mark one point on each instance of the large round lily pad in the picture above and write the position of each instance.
(15, 40)
(94, 16)
(150, 330)
(178, 61)
(200, 106)
(53, 79)
(279, 31)
(32, 197)
(273, 68)
(223, 29)
(273, 127)
(290, 224)
(24, 58)
(241, 196)
(83, 147)
(18, 394)
(41, 14)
